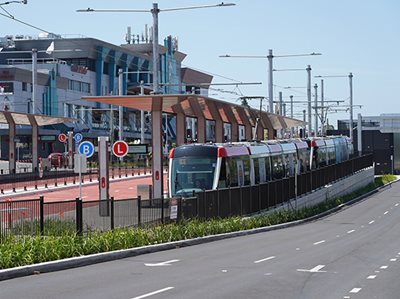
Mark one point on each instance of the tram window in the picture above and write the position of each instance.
(222, 183)
(257, 170)
(278, 169)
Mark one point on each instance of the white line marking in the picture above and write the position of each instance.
(167, 263)
(355, 290)
(263, 260)
(371, 277)
(393, 260)
(376, 271)
(351, 231)
(319, 242)
(153, 293)
(384, 267)
(267, 274)
(385, 212)
(371, 222)
(396, 204)
(297, 248)
(224, 271)
(316, 269)
(346, 297)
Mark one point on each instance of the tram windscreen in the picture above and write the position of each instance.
(192, 174)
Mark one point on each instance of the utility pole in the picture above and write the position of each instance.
(291, 115)
(322, 109)
(270, 80)
(351, 106)
(34, 79)
(309, 98)
(120, 108)
(316, 110)
(156, 57)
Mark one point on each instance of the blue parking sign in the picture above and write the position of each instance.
(78, 137)
(86, 148)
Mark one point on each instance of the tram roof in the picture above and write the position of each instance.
(193, 105)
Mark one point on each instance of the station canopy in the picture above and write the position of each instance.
(192, 105)
(25, 119)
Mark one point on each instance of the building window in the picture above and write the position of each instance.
(79, 86)
(24, 86)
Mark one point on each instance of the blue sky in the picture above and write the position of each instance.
(358, 36)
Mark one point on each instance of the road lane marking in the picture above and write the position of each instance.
(316, 269)
(224, 271)
(355, 290)
(371, 277)
(393, 260)
(319, 242)
(167, 263)
(263, 260)
(153, 293)
(385, 212)
(297, 248)
(371, 222)
(396, 204)
(384, 267)
(351, 231)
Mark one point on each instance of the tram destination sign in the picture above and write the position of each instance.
(138, 149)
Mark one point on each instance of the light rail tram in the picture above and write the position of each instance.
(199, 167)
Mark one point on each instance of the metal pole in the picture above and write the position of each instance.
(120, 108)
(141, 115)
(280, 103)
(304, 120)
(309, 98)
(359, 135)
(34, 79)
(111, 130)
(291, 115)
(322, 109)
(155, 12)
(270, 80)
(316, 110)
(351, 105)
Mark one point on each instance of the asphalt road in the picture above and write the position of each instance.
(351, 254)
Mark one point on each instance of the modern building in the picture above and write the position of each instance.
(380, 137)
(59, 71)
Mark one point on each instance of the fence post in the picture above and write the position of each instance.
(41, 211)
(162, 209)
(112, 212)
(139, 205)
(79, 220)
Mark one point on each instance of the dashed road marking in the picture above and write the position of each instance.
(385, 212)
(371, 277)
(263, 260)
(393, 260)
(153, 293)
(351, 231)
(371, 222)
(355, 290)
(383, 267)
(316, 269)
(319, 242)
(167, 263)
(396, 204)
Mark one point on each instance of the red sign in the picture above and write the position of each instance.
(120, 148)
(62, 137)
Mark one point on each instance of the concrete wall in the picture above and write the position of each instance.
(339, 188)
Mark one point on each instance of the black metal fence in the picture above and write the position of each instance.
(37, 217)
(238, 201)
